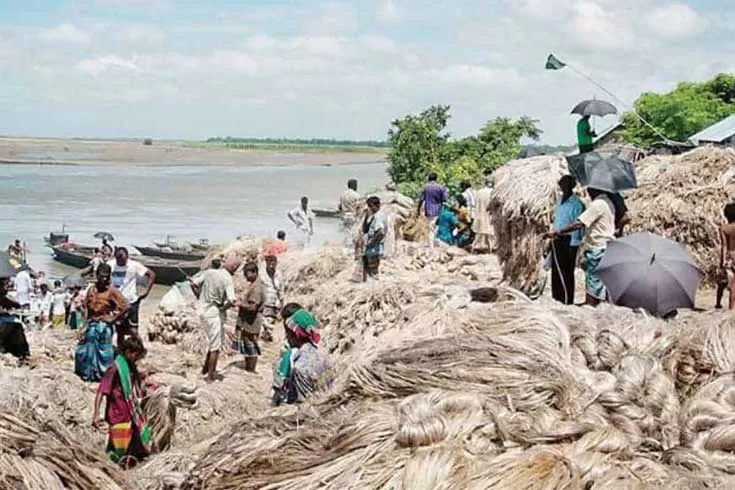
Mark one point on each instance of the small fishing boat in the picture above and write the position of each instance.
(171, 255)
(326, 213)
(168, 272)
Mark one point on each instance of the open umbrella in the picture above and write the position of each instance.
(612, 174)
(594, 107)
(648, 271)
(9, 265)
(577, 164)
(103, 235)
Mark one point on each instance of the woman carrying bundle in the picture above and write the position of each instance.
(105, 307)
(129, 435)
(303, 368)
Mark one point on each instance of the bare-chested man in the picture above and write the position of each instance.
(727, 257)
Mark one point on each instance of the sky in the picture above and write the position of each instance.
(191, 69)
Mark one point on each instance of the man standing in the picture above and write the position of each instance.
(432, 198)
(215, 291)
(349, 202)
(482, 224)
(23, 288)
(272, 284)
(469, 195)
(585, 135)
(303, 218)
(126, 274)
(598, 221)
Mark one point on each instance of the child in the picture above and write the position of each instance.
(727, 257)
(249, 318)
(57, 312)
(76, 308)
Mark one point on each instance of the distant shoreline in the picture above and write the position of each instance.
(78, 152)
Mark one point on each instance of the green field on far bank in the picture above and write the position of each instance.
(294, 146)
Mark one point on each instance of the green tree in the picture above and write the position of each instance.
(417, 143)
(679, 114)
(500, 140)
(420, 144)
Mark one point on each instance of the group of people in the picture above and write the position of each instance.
(303, 368)
(463, 221)
(592, 225)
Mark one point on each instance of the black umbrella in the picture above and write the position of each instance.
(648, 271)
(103, 235)
(577, 164)
(9, 265)
(594, 107)
(612, 174)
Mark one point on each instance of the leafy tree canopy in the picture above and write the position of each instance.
(679, 114)
(420, 144)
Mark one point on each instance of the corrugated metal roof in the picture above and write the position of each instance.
(717, 133)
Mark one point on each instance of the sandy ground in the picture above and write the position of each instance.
(53, 151)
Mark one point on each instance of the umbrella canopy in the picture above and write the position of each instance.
(9, 265)
(594, 108)
(577, 164)
(103, 235)
(612, 174)
(650, 272)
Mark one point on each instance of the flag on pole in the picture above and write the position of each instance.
(552, 63)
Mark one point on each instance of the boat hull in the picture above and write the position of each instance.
(167, 272)
(164, 254)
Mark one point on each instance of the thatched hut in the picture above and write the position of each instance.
(522, 210)
(682, 198)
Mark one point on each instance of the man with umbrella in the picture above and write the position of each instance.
(598, 221)
(587, 108)
(585, 135)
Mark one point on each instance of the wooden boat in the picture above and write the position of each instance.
(171, 255)
(168, 272)
(326, 213)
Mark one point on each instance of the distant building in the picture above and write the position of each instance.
(610, 143)
(721, 133)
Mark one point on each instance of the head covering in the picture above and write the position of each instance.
(303, 325)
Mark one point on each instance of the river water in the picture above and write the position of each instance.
(141, 204)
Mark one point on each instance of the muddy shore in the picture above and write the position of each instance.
(53, 151)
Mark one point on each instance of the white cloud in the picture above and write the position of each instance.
(96, 67)
(598, 27)
(65, 33)
(675, 21)
(477, 75)
(141, 34)
(388, 12)
(334, 18)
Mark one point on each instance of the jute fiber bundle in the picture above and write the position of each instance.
(682, 198)
(46, 456)
(522, 211)
(182, 327)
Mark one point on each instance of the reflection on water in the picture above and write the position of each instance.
(139, 205)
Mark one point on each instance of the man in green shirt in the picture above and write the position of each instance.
(585, 135)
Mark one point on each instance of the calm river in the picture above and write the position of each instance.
(138, 205)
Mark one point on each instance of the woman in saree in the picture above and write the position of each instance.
(373, 229)
(105, 306)
(303, 368)
(129, 435)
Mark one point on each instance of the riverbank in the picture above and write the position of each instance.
(60, 151)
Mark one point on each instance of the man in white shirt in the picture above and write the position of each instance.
(126, 274)
(23, 288)
(598, 220)
(215, 291)
(303, 218)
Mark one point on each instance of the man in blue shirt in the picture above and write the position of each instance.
(432, 198)
(564, 248)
